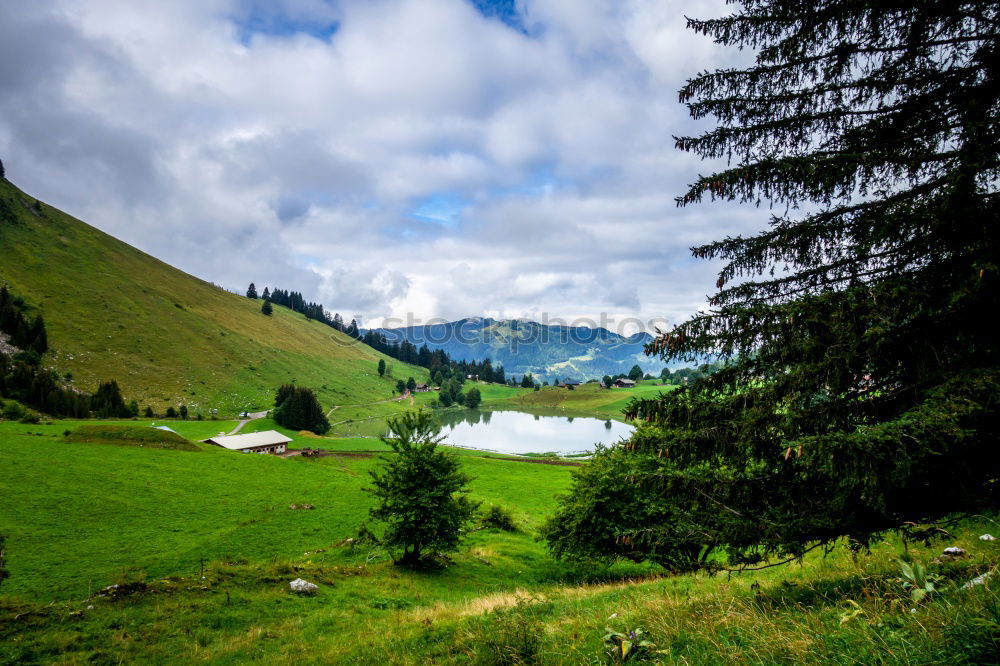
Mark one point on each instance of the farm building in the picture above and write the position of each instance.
(422, 388)
(623, 383)
(268, 441)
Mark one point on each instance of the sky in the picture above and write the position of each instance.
(396, 160)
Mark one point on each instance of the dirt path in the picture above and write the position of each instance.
(406, 394)
(253, 416)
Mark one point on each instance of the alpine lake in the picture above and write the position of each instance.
(514, 432)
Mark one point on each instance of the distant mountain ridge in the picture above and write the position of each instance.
(521, 346)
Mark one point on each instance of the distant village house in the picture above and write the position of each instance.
(268, 441)
(622, 382)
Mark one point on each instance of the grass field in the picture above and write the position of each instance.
(169, 338)
(585, 400)
(129, 508)
(210, 535)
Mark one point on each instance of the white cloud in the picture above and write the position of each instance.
(302, 160)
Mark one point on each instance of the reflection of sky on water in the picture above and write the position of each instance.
(518, 432)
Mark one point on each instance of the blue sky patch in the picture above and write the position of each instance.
(443, 209)
(265, 18)
(502, 10)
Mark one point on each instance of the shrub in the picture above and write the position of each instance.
(473, 398)
(498, 518)
(13, 411)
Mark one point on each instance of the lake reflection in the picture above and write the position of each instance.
(519, 432)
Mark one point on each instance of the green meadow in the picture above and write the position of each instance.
(584, 400)
(206, 544)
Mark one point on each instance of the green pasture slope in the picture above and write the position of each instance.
(211, 536)
(84, 513)
(584, 400)
(169, 338)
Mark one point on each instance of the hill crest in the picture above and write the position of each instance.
(169, 338)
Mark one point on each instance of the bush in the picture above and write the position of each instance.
(12, 411)
(473, 398)
(30, 417)
(498, 518)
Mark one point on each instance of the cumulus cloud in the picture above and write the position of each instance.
(437, 157)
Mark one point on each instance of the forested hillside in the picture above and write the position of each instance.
(547, 352)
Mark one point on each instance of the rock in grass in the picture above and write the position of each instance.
(978, 580)
(300, 586)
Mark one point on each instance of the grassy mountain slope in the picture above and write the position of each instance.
(113, 311)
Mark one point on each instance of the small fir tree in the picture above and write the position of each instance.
(473, 398)
(107, 401)
(39, 338)
(300, 410)
(420, 492)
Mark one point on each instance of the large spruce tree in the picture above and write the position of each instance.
(861, 380)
